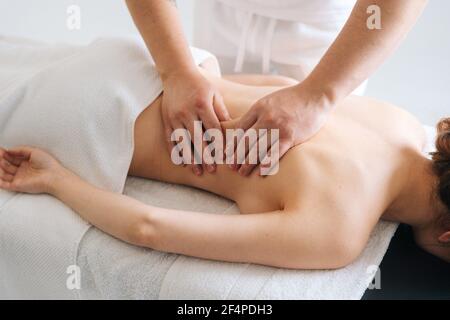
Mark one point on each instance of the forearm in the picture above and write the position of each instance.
(159, 24)
(115, 214)
(359, 51)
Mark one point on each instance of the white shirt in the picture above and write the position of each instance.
(295, 10)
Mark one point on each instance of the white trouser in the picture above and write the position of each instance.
(247, 42)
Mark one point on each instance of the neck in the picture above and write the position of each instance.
(414, 206)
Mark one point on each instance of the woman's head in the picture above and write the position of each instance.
(438, 241)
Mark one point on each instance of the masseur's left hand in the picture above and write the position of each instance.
(297, 112)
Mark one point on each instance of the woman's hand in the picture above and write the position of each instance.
(28, 170)
(190, 97)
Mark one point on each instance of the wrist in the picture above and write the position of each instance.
(57, 181)
(311, 97)
(319, 93)
(186, 72)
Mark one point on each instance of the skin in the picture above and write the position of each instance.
(317, 212)
(298, 111)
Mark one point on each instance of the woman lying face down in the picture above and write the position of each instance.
(316, 212)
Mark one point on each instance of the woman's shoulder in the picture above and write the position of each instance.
(395, 122)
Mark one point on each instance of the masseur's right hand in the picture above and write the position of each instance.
(189, 97)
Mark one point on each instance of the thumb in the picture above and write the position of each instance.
(230, 124)
(247, 120)
(220, 108)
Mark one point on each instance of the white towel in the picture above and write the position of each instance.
(113, 269)
(80, 104)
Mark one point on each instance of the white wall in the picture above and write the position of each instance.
(417, 77)
(46, 19)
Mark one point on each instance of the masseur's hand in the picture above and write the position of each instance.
(297, 112)
(28, 170)
(189, 97)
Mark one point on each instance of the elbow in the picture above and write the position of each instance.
(141, 231)
(344, 252)
(326, 255)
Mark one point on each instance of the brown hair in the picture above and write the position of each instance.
(441, 166)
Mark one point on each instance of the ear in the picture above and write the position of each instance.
(445, 237)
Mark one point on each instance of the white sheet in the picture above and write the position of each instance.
(40, 237)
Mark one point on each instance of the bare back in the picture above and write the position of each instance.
(353, 168)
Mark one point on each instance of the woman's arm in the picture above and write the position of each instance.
(279, 238)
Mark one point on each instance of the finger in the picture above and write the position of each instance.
(246, 122)
(196, 154)
(6, 157)
(168, 130)
(250, 164)
(8, 167)
(257, 152)
(17, 161)
(22, 151)
(272, 159)
(170, 145)
(247, 143)
(230, 151)
(220, 108)
(5, 176)
(185, 144)
(210, 121)
(5, 185)
(208, 157)
(196, 130)
(196, 168)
